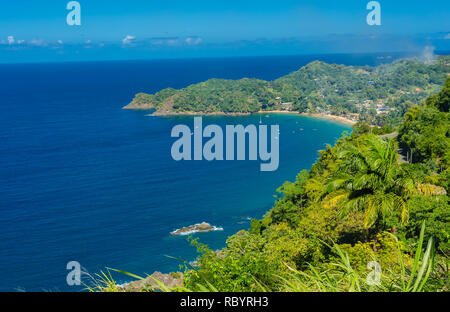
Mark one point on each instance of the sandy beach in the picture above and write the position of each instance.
(196, 114)
(278, 112)
(331, 117)
(323, 116)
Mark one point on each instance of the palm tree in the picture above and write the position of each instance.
(369, 178)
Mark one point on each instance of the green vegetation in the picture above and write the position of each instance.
(425, 131)
(380, 95)
(357, 204)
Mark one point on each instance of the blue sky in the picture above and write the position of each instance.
(33, 30)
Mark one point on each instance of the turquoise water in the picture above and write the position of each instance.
(82, 179)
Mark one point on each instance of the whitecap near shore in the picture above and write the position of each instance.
(196, 228)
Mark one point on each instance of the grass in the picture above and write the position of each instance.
(336, 276)
(341, 276)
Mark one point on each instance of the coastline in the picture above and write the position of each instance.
(314, 115)
(197, 114)
(222, 113)
(279, 112)
(330, 117)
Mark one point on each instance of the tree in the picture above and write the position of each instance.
(441, 100)
(370, 179)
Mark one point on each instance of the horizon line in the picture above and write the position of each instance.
(436, 52)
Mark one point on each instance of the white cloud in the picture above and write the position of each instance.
(193, 40)
(128, 39)
(60, 42)
(12, 41)
(157, 42)
(37, 42)
(88, 44)
(447, 37)
(172, 42)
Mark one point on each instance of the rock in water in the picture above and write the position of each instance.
(200, 227)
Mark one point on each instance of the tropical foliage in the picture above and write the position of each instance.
(361, 202)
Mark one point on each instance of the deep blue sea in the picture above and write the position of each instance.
(81, 179)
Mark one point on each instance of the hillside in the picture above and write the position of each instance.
(377, 94)
(358, 203)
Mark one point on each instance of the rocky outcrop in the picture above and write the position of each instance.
(139, 106)
(196, 228)
(171, 280)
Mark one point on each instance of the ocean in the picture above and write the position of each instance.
(83, 180)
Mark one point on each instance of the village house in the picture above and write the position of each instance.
(287, 106)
